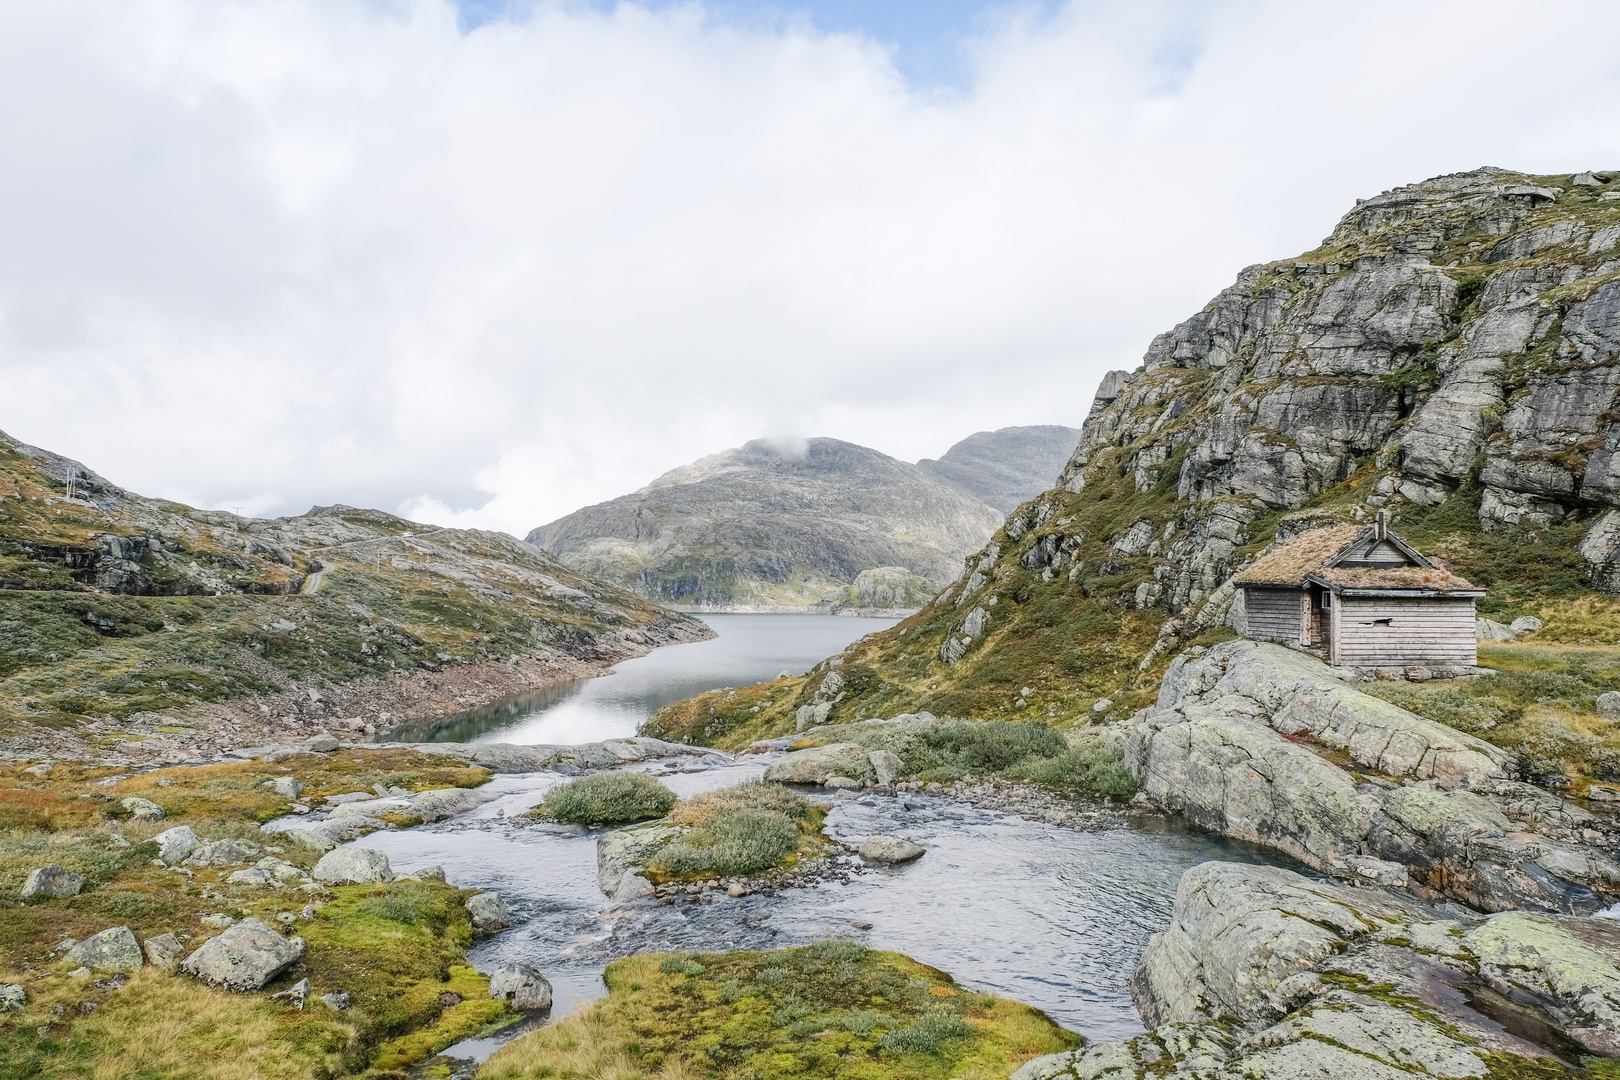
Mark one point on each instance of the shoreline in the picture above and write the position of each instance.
(352, 711)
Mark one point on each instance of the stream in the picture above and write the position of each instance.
(1052, 916)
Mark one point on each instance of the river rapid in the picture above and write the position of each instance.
(1052, 915)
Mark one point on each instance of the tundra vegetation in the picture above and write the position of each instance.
(1248, 423)
(123, 618)
(739, 830)
(611, 798)
(398, 949)
(829, 1010)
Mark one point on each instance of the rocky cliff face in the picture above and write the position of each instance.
(1450, 354)
(1005, 467)
(773, 526)
(123, 615)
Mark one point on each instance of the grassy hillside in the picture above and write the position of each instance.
(113, 606)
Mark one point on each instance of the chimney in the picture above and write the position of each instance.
(1381, 529)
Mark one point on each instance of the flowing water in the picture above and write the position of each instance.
(1049, 915)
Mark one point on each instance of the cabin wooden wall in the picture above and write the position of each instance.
(1273, 614)
(1419, 632)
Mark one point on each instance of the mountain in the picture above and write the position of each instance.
(778, 526)
(154, 629)
(1450, 354)
(1005, 467)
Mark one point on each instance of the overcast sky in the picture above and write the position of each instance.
(485, 264)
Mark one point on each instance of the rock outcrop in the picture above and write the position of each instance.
(244, 957)
(1243, 740)
(773, 526)
(1265, 973)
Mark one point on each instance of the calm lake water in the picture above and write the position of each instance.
(749, 649)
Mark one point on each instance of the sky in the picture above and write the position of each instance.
(484, 263)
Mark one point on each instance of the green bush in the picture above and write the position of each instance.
(1091, 764)
(680, 965)
(926, 1036)
(612, 798)
(739, 841)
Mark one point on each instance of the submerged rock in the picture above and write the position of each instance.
(621, 852)
(890, 850)
(50, 882)
(244, 957)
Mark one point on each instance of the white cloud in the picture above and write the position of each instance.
(278, 252)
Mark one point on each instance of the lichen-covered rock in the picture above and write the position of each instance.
(243, 957)
(307, 838)
(163, 951)
(176, 845)
(488, 913)
(886, 766)
(142, 809)
(525, 988)
(224, 853)
(110, 950)
(1566, 965)
(1490, 630)
(621, 852)
(252, 875)
(286, 786)
(1239, 932)
(889, 850)
(353, 866)
(1608, 705)
(50, 882)
(819, 764)
(13, 997)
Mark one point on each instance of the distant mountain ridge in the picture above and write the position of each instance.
(1006, 467)
(776, 525)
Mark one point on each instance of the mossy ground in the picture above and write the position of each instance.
(830, 1010)
(394, 948)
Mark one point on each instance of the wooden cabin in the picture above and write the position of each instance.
(1362, 597)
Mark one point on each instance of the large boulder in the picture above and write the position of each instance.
(224, 853)
(13, 997)
(1608, 705)
(111, 950)
(488, 913)
(163, 951)
(525, 988)
(1239, 933)
(307, 838)
(1567, 966)
(177, 844)
(244, 957)
(820, 764)
(620, 853)
(50, 882)
(286, 786)
(886, 766)
(353, 866)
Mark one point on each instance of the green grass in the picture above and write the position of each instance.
(829, 1011)
(610, 798)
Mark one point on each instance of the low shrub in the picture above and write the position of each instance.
(612, 798)
(951, 749)
(927, 1036)
(736, 842)
(1092, 764)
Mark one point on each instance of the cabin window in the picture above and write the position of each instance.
(1382, 622)
(1325, 601)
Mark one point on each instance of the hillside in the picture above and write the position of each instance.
(1005, 467)
(768, 526)
(153, 629)
(1449, 354)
